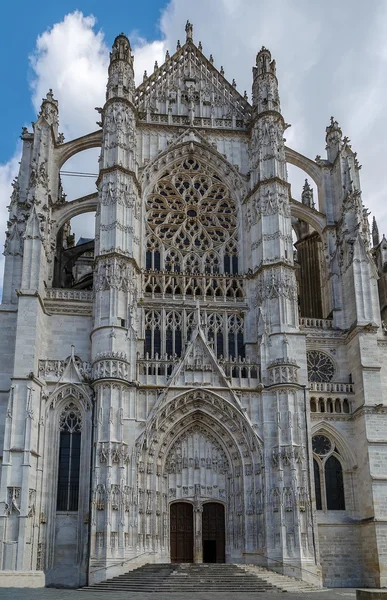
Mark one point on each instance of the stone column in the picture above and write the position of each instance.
(198, 533)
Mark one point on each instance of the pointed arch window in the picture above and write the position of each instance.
(328, 474)
(70, 425)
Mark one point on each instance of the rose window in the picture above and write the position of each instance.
(320, 366)
(191, 210)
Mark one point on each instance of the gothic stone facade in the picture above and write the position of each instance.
(194, 359)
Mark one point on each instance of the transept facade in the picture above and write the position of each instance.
(206, 379)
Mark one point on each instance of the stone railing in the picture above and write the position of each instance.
(183, 120)
(52, 370)
(63, 294)
(158, 371)
(189, 285)
(331, 387)
(336, 406)
(316, 323)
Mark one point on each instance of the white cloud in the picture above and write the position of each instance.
(331, 59)
(72, 59)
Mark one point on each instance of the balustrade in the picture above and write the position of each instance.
(330, 405)
(316, 323)
(189, 285)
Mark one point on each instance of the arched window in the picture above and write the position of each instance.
(70, 424)
(317, 484)
(328, 474)
(173, 338)
(334, 484)
(152, 333)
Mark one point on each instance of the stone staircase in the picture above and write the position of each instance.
(283, 582)
(187, 578)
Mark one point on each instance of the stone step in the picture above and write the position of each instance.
(185, 578)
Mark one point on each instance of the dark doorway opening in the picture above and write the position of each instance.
(181, 532)
(209, 551)
(213, 533)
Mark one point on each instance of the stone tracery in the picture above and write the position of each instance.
(191, 213)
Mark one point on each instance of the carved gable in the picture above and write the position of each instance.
(188, 90)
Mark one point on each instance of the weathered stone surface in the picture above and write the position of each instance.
(176, 349)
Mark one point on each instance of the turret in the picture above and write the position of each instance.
(265, 83)
(121, 75)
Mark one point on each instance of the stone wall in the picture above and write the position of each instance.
(340, 555)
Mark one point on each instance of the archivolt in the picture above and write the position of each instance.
(205, 154)
(229, 425)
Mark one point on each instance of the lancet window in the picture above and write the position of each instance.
(328, 474)
(167, 331)
(70, 424)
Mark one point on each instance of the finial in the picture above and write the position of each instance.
(375, 233)
(145, 76)
(178, 45)
(200, 47)
(72, 351)
(211, 59)
(234, 83)
(167, 55)
(189, 31)
(156, 65)
(222, 71)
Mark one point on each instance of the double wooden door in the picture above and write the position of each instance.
(182, 532)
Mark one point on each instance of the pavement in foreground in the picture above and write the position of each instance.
(61, 594)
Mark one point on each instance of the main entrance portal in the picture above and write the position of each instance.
(184, 529)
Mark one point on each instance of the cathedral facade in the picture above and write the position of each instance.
(205, 380)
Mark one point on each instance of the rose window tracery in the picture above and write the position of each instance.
(320, 366)
(191, 211)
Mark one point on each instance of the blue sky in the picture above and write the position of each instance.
(331, 60)
(21, 23)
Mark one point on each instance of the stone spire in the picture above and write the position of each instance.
(265, 83)
(307, 195)
(121, 75)
(375, 233)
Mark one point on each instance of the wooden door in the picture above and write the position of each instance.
(181, 532)
(213, 532)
